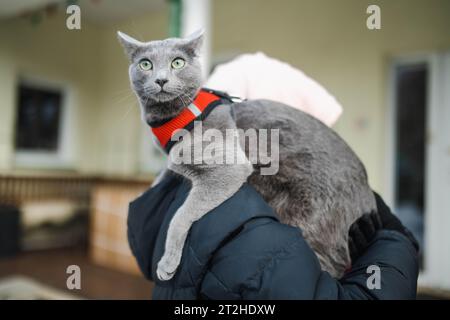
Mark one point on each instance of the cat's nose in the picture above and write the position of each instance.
(161, 82)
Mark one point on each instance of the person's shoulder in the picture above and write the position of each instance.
(260, 237)
(265, 234)
(244, 259)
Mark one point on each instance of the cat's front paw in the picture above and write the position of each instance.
(166, 269)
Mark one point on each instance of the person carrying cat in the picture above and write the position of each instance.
(240, 250)
(238, 229)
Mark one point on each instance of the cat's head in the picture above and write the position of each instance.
(165, 74)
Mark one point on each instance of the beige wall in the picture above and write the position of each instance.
(92, 64)
(7, 100)
(327, 39)
(50, 52)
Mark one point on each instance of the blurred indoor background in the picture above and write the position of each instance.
(73, 151)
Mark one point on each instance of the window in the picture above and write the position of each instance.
(43, 137)
(38, 119)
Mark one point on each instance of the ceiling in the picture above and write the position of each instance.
(95, 11)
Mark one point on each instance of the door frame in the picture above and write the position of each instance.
(436, 259)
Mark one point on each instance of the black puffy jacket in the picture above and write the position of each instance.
(241, 251)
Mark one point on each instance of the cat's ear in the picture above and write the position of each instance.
(193, 43)
(129, 44)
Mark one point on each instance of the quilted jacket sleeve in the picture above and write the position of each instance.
(388, 270)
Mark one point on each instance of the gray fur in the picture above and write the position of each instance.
(207, 192)
(321, 185)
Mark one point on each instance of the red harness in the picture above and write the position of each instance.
(205, 101)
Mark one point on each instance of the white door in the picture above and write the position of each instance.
(420, 158)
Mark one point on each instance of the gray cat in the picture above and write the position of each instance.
(321, 185)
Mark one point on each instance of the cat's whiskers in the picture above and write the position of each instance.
(121, 91)
(126, 113)
(120, 100)
(188, 99)
(183, 101)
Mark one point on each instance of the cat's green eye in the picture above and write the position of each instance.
(145, 64)
(178, 63)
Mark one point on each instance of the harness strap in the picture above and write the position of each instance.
(202, 105)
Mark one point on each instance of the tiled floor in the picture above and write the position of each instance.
(49, 268)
